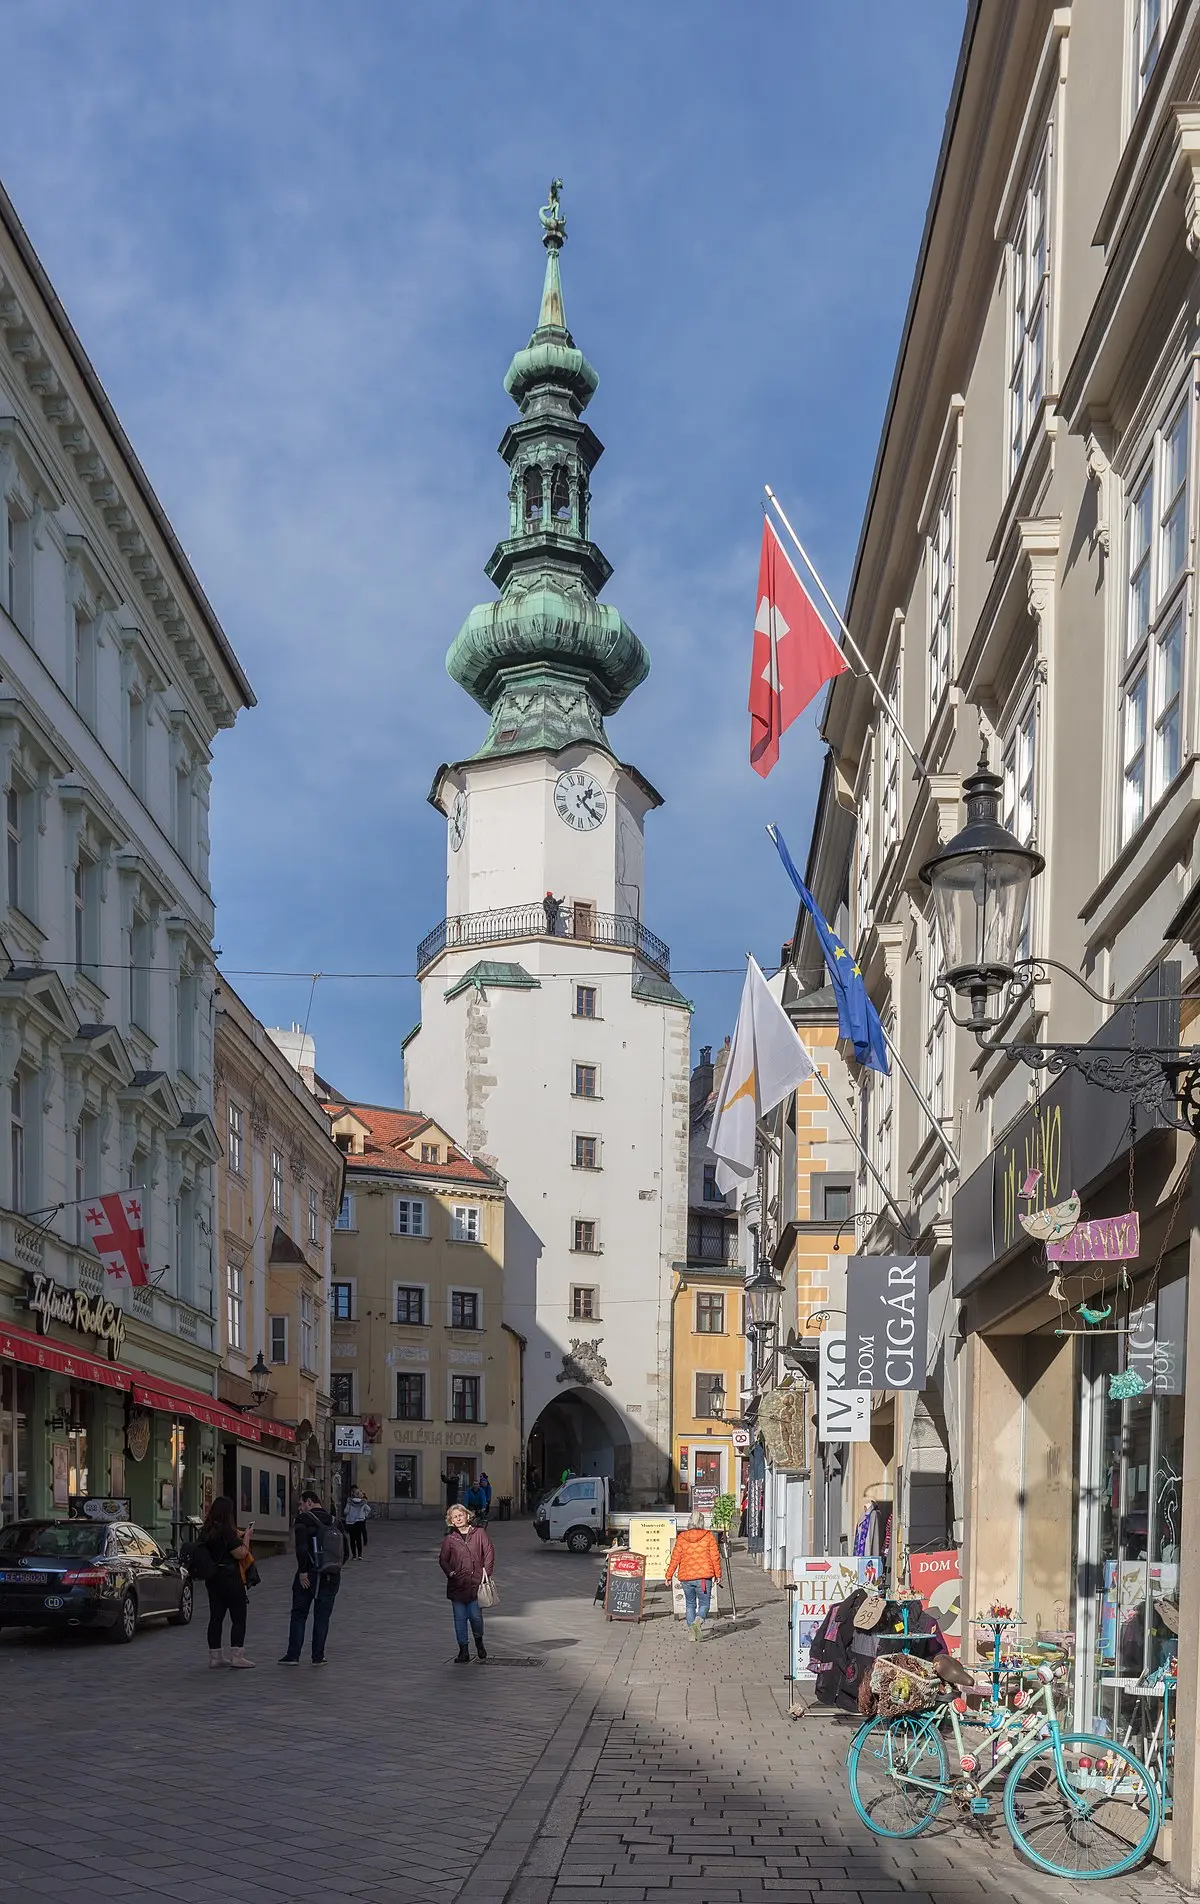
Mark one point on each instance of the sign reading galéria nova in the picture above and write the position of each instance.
(75, 1309)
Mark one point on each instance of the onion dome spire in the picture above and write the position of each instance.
(547, 661)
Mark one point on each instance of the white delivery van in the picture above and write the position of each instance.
(577, 1513)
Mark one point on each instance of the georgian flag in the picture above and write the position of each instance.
(794, 653)
(118, 1237)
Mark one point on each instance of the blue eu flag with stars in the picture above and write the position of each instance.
(858, 1019)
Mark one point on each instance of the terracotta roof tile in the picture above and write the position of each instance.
(389, 1131)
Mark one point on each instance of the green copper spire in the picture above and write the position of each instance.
(547, 661)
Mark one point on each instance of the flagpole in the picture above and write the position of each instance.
(852, 1134)
(857, 652)
(922, 1100)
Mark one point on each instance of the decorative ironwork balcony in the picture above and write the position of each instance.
(579, 924)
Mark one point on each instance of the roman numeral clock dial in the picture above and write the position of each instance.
(580, 801)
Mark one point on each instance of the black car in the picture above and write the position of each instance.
(105, 1574)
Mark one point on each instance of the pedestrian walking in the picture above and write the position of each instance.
(696, 1559)
(485, 1499)
(358, 1513)
(320, 1551)
(227, 1546)
(467, 1557)
(450, 1482)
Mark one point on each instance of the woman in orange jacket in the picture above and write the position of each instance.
(696, 1559)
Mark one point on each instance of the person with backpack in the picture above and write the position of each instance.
(466, 1558)
(217, 1555)
(320, 1551)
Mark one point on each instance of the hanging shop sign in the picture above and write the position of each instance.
(75, 1309)
(843, 1413)
(887, 1322)
(137, 1435)
(741, 1440)
(349, 1438)
(1101, 1239)
(1157, 1340)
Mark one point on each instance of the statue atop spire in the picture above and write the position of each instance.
(547, 660)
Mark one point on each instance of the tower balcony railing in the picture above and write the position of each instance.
(579, 924)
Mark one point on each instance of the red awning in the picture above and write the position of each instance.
(171, 1398)
(39, 1351)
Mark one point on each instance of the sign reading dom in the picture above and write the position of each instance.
(887, 1321)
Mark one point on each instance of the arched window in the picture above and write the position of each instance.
(533, 495)
(560, 495)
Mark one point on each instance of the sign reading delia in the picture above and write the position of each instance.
(887, 1322)
(89, 1315)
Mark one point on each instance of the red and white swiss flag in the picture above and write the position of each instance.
(794, 653)
(116, 1228)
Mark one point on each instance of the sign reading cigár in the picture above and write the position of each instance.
(887, 1321)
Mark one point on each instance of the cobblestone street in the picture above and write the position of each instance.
(582, 1762)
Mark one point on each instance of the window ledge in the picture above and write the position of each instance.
(402, 1236)
(456, 1421)
(465, 1328)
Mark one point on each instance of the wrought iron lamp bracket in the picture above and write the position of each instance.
(1159, 1080)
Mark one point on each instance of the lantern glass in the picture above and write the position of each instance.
(980, 900)
(764, 1295)
(260, 1379)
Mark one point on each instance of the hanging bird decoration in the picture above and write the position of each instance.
(1055, 1224)
(1093, 1315)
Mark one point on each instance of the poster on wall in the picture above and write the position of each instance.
(887, 1322)
(937, 1580)
(60, 1467)
(819, 1582)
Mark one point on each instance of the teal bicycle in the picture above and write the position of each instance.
(1076, 1806)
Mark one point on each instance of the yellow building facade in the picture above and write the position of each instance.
(422, 1359)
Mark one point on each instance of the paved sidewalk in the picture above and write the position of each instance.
(583, 1762)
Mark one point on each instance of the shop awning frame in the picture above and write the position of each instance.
(45, 1352)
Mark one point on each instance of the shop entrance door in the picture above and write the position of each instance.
(706, 1471)
(460, 1469)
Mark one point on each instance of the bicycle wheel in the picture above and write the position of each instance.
(884, 1759)
(1097, 1818)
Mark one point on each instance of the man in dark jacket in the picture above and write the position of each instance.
(320, 1549)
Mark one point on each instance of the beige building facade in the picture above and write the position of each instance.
(1025, 584)
(422, 1359)
(278, 1192)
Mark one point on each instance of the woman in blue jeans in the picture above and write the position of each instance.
(696, 1559)
(466, 1555)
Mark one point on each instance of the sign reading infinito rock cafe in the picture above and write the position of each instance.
(887, 1321)
(89, 1315)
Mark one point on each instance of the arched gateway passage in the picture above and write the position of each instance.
(582, 1431)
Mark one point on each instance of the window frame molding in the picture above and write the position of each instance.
(399, 1283)
(409, 1236)
(945, 473)
(465, 1289)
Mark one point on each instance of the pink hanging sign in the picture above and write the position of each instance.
(1102, 1239)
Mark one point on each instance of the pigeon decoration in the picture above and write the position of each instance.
(1054, 1224)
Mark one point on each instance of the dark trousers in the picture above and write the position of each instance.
(356, 1534)
(226, 1594)
(323, 1588)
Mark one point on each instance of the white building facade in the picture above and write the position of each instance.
(551, 1036)
(114, 679)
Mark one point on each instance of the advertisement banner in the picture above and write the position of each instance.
(820, 1581)
(843, 1414)
(937, 1580)
(654, 1536)
(887, 1322)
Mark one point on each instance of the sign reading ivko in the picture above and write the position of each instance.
(89, 1315)
(843, 1413)
(887, 1321)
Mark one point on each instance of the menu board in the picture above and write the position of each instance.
(624, 1586)
(654, 1536)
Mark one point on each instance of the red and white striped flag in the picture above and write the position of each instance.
(118, 1236)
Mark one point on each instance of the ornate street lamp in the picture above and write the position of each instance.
(260, 1387)
(764, 1297)
(980, 883)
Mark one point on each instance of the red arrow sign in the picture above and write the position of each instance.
(817, 1566)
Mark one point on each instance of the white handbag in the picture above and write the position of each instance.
(489, 1592)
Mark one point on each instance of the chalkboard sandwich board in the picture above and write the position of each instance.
(624, 1586)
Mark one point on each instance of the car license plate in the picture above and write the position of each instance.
(53, 1601)
(25, 1579)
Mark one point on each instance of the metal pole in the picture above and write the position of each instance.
(852, 1134)
(857, 652)
(922, 1100)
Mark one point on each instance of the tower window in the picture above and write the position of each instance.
(560, 495)
(532, 483)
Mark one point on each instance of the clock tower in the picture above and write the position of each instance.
(552, 1041)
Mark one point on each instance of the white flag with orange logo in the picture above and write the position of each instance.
(766, 1061)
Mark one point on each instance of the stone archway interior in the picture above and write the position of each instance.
(582, 1431)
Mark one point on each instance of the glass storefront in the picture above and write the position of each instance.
(16, 1401)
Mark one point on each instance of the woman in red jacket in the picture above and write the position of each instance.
(696, 1558)
(466, 1555)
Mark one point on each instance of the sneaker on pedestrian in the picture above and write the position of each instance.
(319, 1662)
(290, 1659)
(694, 1628)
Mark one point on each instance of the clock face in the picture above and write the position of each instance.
(580, 801)
(458, 821)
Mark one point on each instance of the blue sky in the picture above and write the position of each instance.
(300, 243)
